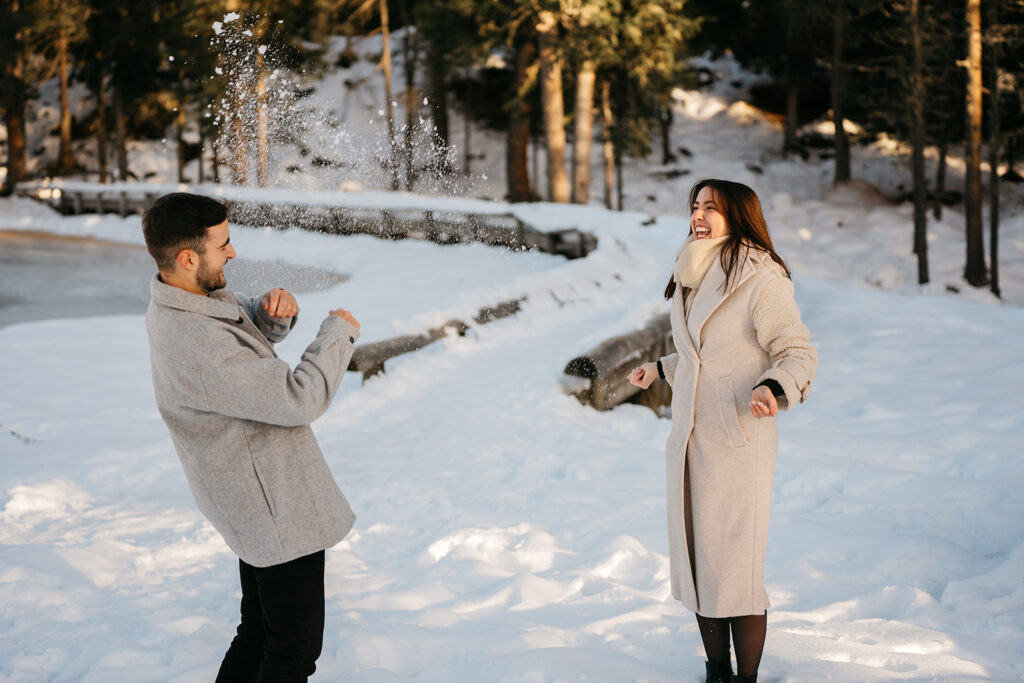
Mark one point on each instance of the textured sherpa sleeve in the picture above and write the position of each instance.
(240, 383)
(668, 366)
(787, 340)
(274, 329)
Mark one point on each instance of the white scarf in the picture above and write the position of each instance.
(695, 258)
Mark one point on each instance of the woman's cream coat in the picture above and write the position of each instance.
(720, 459)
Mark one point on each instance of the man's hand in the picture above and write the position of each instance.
(278, 303)
(345, 315)
(644, 375)
(763, 403)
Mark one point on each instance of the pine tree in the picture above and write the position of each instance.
(16, 17)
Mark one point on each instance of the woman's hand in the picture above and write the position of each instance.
(644, 375)
(763, 403)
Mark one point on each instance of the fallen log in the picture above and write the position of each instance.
(607, 367)
(369, 358)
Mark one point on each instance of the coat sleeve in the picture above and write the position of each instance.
(668, 365)
(787, 340)
(240, 383)
(274, 329)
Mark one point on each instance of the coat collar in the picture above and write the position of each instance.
(219, 304)
(713, 291)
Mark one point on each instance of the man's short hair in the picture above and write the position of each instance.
(179, 221)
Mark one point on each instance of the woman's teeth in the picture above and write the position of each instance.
(701, 233)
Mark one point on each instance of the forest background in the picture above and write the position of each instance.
(939, 75)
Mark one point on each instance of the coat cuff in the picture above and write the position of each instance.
(274, 329)
(791, 393)
(773, 387)
(341, 327)
(667, 366)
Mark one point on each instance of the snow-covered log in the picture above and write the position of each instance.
(608, 365)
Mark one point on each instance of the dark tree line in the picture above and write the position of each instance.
(936, 74)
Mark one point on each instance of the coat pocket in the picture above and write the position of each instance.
(262, 479)
(730, 416)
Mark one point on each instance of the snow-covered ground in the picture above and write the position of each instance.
(505, 531)
(508, 533)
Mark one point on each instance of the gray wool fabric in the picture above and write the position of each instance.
(239, 417)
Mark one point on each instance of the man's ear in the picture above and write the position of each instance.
(187, 260)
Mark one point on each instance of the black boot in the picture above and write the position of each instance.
(718, 672)
(744, 679)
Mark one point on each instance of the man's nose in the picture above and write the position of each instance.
(231, 252)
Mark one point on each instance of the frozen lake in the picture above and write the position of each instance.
(44, 276)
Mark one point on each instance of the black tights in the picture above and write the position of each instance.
(747, 636)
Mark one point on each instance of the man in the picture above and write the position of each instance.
(239, 418)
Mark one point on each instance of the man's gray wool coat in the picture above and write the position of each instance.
(239, 417)
(719, 458)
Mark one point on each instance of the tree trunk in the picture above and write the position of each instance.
(215, 161)
(995, 143)
(410, 55)
(201, 172)
(262, 126)
(583, 138)
(516, 150)
(240, 151)
(439, 99)
(466, 156)
(842, 143)
(385, 62)
(320, 12)
(665, 118)
(618, 177)
(609, 147)
(101, 131)
(535, 141)
(14, 119)
(789, 142)
(917, 136)
(120, 135)
(179, 134)
(974, 270)
(66, 155)
(554, 112)
(940, 179)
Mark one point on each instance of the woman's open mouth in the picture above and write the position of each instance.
(701, 232)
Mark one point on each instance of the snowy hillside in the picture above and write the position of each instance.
(508, 533)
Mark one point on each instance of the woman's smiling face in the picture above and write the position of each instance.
(706, 219)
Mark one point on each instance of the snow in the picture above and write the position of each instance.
(508, 533)
(505, 531)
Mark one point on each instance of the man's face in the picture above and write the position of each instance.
(218, 251)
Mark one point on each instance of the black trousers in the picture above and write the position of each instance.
(282, 628)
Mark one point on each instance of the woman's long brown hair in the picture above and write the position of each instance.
(741, 210)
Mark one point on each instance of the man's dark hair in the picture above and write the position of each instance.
(179, 221)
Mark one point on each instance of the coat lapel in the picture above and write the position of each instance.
(712, 293)
(680, 335)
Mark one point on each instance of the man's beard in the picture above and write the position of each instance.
(208, 279)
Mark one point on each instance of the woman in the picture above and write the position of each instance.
(742, 354)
